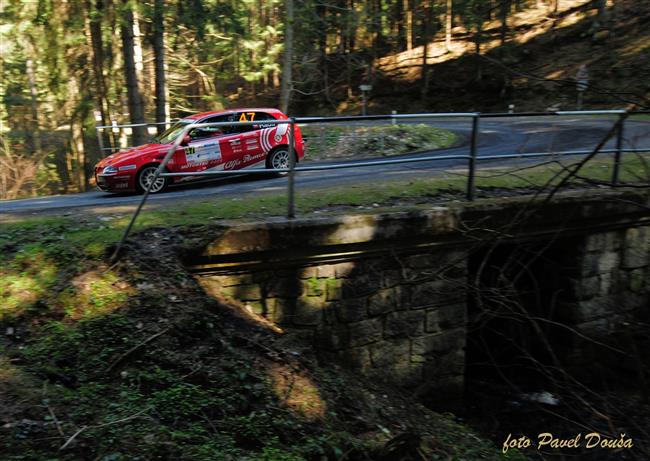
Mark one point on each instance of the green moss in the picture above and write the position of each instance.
(315, 286)
(331, 141)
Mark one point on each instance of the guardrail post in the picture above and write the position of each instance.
(471, 186)
(618, 153)
(291, 206)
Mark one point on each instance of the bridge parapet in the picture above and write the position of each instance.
(396, 295)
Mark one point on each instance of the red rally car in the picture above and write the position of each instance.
(209, 148)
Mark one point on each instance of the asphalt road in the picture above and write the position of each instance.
(497, 137)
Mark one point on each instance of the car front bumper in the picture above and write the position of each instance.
(115, 182)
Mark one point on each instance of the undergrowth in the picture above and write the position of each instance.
(135, 361)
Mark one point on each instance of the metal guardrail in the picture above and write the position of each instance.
(471, 158)
(114, 126)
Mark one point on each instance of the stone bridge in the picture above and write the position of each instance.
(399, 295)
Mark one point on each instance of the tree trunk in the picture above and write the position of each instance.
(321, 11)
(408, 21)
(380, 23)
(401, 29)
(504, 10)
(38, 147)
(97, 44)
(139, 58)
(31, 77)
(285, 95)
(448, 24)
(428, 21)
(134, 97)
(158, 42)
(349, 47)
(478, 36)
(600, 20)
(79, 153)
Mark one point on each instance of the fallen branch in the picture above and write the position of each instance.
(123, 420)
(55, 419)
(135, 348)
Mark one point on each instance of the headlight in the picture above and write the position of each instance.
(110, 170)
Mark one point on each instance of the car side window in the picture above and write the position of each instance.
(208, 131)
(253, 116)
(246, 117)
(261, 117)
(217, 130)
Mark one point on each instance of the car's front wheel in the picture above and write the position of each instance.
(146, 177)
(278, 159)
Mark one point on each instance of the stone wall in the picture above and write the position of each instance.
(387, 294)
(370, 291)
(401, 315)
(608, 294)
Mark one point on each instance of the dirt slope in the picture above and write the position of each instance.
(534, 70)
(136, 361)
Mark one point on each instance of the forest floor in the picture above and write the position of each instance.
(136, 361)
(534, 70)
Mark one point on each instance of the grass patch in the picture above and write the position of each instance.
(334, 141)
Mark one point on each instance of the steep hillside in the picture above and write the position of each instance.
(534, 70)
(136, 361)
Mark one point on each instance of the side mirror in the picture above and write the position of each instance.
(186, 140)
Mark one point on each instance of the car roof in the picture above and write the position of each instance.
(229, 111)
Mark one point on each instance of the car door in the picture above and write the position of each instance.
(241, 146)
(252, 151)
(204, 149)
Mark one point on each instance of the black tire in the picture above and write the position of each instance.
(144, 177)
(279, 158)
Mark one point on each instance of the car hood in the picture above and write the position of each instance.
(133, 154)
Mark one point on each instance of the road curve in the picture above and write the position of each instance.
(516, 135)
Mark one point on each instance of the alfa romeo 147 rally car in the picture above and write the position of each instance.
(203, 149)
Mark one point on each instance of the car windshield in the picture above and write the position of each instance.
(171, 133)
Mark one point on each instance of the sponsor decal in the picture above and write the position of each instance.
(252, 144)
(252, 158)
(243, 117)
(281, 131)
(265, 136)
(194, 165)
(232, 164)
(199, 154)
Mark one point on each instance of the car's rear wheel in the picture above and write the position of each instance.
(278, 158)
(146, 176)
